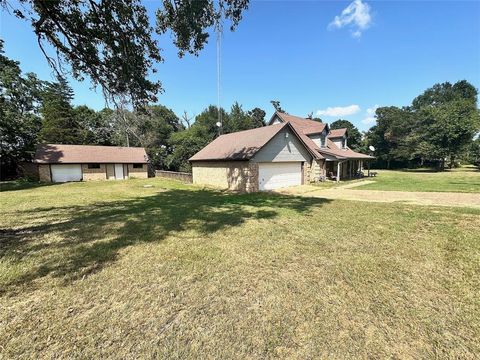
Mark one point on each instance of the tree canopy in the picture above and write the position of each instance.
(20, 121)
(121, 59)
(354, 136)
(440, 124)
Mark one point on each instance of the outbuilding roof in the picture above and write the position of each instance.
(78, 154)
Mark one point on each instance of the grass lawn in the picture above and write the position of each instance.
(465, 179)
(113, 269)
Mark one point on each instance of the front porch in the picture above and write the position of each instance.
(344, 169)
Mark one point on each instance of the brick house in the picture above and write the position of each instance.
(288, 151)
(62, 163)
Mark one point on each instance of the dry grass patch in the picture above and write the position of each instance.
(464, 180)
(112, 269)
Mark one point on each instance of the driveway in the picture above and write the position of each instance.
(471, 200)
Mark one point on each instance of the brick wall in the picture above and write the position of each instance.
(233, 175)
(44, 173)
(94, 174)
(138, 173)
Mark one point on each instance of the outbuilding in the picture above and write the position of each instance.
(62, 163)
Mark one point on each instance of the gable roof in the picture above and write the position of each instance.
(243, 145)
(334, 133)
(307, 127)
(77, 154)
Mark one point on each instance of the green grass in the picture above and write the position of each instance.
(465, 179)
(113, 269)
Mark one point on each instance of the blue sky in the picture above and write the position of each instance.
(308, 56)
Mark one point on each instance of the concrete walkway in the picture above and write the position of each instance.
(471, 200)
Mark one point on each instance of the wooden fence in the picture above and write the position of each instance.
(182, 176)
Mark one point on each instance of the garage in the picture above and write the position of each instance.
(277, 175)
(64, 173)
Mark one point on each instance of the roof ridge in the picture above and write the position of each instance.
(257, 128)
(108, 146)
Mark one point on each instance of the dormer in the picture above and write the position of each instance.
(339, 138)
(320, 139)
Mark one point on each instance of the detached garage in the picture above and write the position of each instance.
(265, 158)
(61, 163)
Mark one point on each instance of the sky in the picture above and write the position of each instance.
(337, 59)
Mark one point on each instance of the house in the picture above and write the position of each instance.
(288, 151)
(62, 163)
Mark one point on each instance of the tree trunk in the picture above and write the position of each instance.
(452, 161)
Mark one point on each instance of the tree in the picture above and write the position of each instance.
(19, 115)
(276, 105)
(239, 120)
(354, 136)
(440, 94)
(258, 117)
(121, 58)
(447, 119)
(96, 127)
(440, 124)
(59, 123)
(186, 143)
(155, 130)
(388, 135)
(151, 128)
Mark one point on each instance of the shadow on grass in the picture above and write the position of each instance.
(82, 239)
(15, 185)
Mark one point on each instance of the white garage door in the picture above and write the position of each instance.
(63, 173)
(279, 174)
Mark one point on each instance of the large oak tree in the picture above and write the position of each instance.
(112, 42)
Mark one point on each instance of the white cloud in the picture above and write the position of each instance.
(356, 15)
(370, 118)
(339, 111)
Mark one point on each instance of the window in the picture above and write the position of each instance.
(138, 166)
(322, 141)
(94, 166)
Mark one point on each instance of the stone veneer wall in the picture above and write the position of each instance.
(94, 174)
(44, 173)
(138, 173)
(307, 172)
(317, 170)
(232, 175)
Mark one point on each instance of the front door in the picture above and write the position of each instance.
(119, 172)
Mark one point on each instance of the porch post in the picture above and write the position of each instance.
(338, 171)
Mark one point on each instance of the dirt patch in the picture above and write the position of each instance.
(408, 197)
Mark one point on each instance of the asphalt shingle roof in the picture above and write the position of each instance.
(78, 154)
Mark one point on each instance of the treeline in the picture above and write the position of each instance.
(436, 130)
(34, 111)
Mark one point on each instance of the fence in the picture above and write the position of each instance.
(182, 176)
